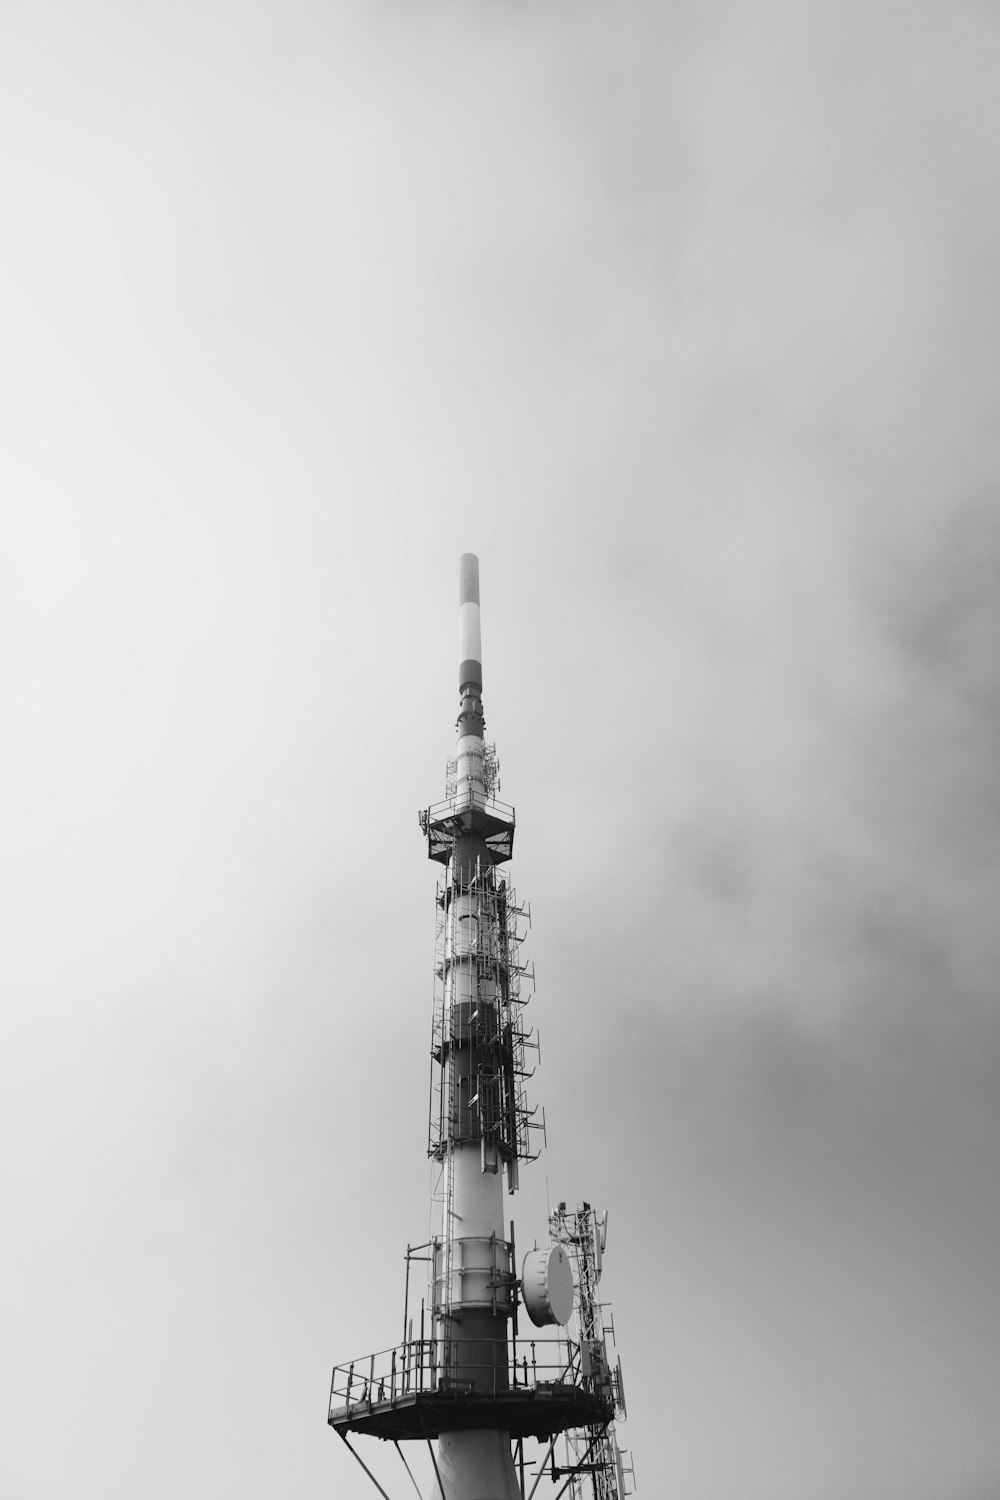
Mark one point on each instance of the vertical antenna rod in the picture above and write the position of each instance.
(470, 670)
(471, 752)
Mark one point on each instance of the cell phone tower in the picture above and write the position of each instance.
(464, 1378)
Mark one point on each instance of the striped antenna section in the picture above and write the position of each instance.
(470, 650)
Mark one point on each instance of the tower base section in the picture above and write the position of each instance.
(476, 1465)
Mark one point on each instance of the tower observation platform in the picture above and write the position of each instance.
(401, 1393)
(488, 821)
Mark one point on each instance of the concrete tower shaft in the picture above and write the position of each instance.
(473, 1292)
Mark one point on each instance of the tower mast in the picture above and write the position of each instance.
(477, 1134)
(461, 1375)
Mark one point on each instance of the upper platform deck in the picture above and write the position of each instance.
(480, 816)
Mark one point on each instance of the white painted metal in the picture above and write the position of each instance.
(471, 772)
(547, 1284)
(470, 647)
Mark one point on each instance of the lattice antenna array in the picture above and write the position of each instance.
(592, 1454)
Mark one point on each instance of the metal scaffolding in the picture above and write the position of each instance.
(489, 1106)
(594, 1464)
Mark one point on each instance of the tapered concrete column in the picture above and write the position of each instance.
(477, 1466)
(474, 1465)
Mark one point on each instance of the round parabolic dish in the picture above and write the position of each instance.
(547, 1286)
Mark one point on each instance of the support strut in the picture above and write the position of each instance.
(361, 1461)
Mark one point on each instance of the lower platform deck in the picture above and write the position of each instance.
(539, 1411)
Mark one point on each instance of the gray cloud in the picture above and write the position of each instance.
(685, 319)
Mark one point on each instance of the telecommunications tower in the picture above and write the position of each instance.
(465, 1376)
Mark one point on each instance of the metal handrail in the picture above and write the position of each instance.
(417, 1366)
(460, 803)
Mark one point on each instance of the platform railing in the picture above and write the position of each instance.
(450, 806)
(419, 1366)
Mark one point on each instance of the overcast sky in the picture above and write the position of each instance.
(686, 318)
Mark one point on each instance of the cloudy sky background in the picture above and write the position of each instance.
(685, 317)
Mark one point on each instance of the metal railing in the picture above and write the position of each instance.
(461, 802)
(421, 1366)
